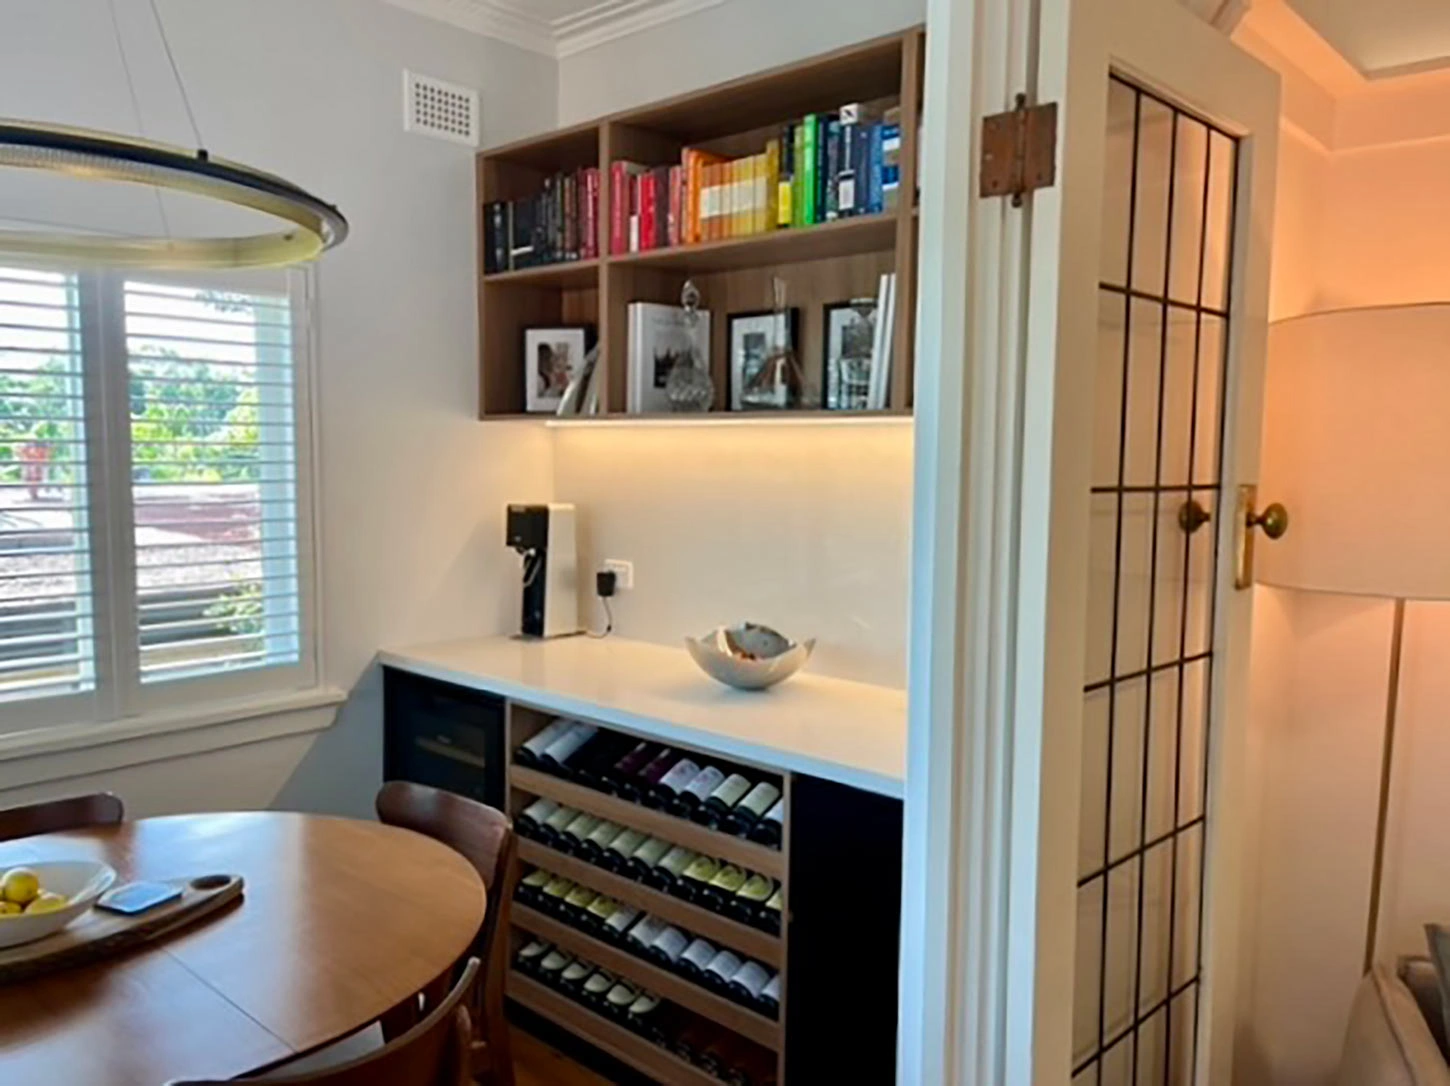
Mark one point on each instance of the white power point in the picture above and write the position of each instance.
(623, 573)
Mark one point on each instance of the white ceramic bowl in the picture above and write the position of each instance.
(772, 658)
(81, 881)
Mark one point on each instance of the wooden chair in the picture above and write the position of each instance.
(485, 837)
(53, 816)
(435, 1052)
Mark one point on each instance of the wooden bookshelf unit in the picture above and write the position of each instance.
(828, 263)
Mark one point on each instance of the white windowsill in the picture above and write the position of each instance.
(60, 750)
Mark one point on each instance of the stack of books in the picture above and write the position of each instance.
(560, 223)
(824, 167)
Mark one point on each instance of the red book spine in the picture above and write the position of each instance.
(677, 203)
(588, 204)
(648, 209)
(619, 184)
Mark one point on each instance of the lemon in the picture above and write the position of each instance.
(20, 885)
(46, 902)
(9, 908)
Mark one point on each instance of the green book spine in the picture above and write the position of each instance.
(798, 178)
(811, 180)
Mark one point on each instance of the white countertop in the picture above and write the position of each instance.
(848, 732)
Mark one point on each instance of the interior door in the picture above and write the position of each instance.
(1169, 147)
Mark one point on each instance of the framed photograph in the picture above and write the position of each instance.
(754, 337)
(553, 358)
(850, 353)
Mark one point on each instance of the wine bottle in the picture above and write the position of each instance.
(695, 793)
(747, 984)
(671, 866)
(669, 787)
(690, 1041)
(771, 917)
(692, 882)
(596, 988)
(770, 998)
(616, 856)
(644, 933)
(643, 859)
(531, 885)
(668, 946)
(551, 898)
(718, 803)
(591, 765)
(552, 965)
(719, 890)
(697, 956)
(619, 999)
(645, 1019)
(530, 955)
(724, 1058)
(750, 810)
(618, 924)
(532, 749)
(600, 838)
(571, 979)
(574, 833)
(771, 827)
(576, 903)
(636, 788)
(556, 755)
(720, 970)
(621, 776)
(598, 913)
(745, 906)
(553, 826)
(528, 821)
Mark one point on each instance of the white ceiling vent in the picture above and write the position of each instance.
(435, 108)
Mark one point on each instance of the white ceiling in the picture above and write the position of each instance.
(555, 28)
(1383, 38)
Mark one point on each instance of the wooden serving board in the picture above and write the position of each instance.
(100, 934)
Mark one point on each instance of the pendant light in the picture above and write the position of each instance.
(310, 225)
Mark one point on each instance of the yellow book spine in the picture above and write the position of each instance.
(763, 188)
(737, 198)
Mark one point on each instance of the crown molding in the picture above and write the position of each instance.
(564, 36)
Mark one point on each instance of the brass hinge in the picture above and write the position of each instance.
(1019, 150)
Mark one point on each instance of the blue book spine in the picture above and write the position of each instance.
(876, 198)
(832, 173)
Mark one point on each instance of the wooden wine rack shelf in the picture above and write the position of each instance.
(722, 846)
(749, 941)
(604, 1034)
(671, 986)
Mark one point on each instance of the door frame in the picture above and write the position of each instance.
(999, 541)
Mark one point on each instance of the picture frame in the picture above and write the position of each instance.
(751, 337)
(553, 359)
(849, 354)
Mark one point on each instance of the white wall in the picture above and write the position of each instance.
(723, 42)
(411, 486)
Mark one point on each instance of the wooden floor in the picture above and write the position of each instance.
(536, 1064)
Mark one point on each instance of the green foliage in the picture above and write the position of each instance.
(192, 422)
(31, 410)
(242, 610)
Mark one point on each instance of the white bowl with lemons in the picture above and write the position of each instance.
(40, 899)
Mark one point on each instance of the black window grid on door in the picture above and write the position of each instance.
(1157, 494)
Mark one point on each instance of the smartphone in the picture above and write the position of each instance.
(138, 897)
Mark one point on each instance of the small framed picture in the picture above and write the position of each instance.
(850, 349)
(754, 338)
(553, 357)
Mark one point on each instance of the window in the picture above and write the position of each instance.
(155, 543)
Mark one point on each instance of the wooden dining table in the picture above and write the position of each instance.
(340, 921)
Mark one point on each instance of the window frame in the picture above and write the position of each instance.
(118, 692)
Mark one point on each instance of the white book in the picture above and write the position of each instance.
(884, 340)
(659, 337)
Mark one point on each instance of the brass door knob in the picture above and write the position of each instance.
(1192, 516)
(1274, 520)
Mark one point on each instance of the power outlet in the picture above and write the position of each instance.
(623, 573)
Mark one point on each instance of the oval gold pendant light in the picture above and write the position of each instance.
(311, 225)
(102, 156)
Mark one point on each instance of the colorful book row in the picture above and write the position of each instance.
(558, 224)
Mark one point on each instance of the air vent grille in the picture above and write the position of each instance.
(435, 108)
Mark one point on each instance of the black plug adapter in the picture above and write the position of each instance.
(605, 582)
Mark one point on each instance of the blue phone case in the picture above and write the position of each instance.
(138, 897)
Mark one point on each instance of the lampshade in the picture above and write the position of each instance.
(1357, 446)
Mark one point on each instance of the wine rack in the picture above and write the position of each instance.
(526, 785)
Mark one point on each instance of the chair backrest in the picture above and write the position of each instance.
(435, 1052)
(53, 816)
(482, 835)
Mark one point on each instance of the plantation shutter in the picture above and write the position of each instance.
(47, 639)
(213, 479)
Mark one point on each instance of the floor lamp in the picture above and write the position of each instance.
(1357, 446)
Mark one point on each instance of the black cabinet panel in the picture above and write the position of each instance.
(845, 906)
(442, 735)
